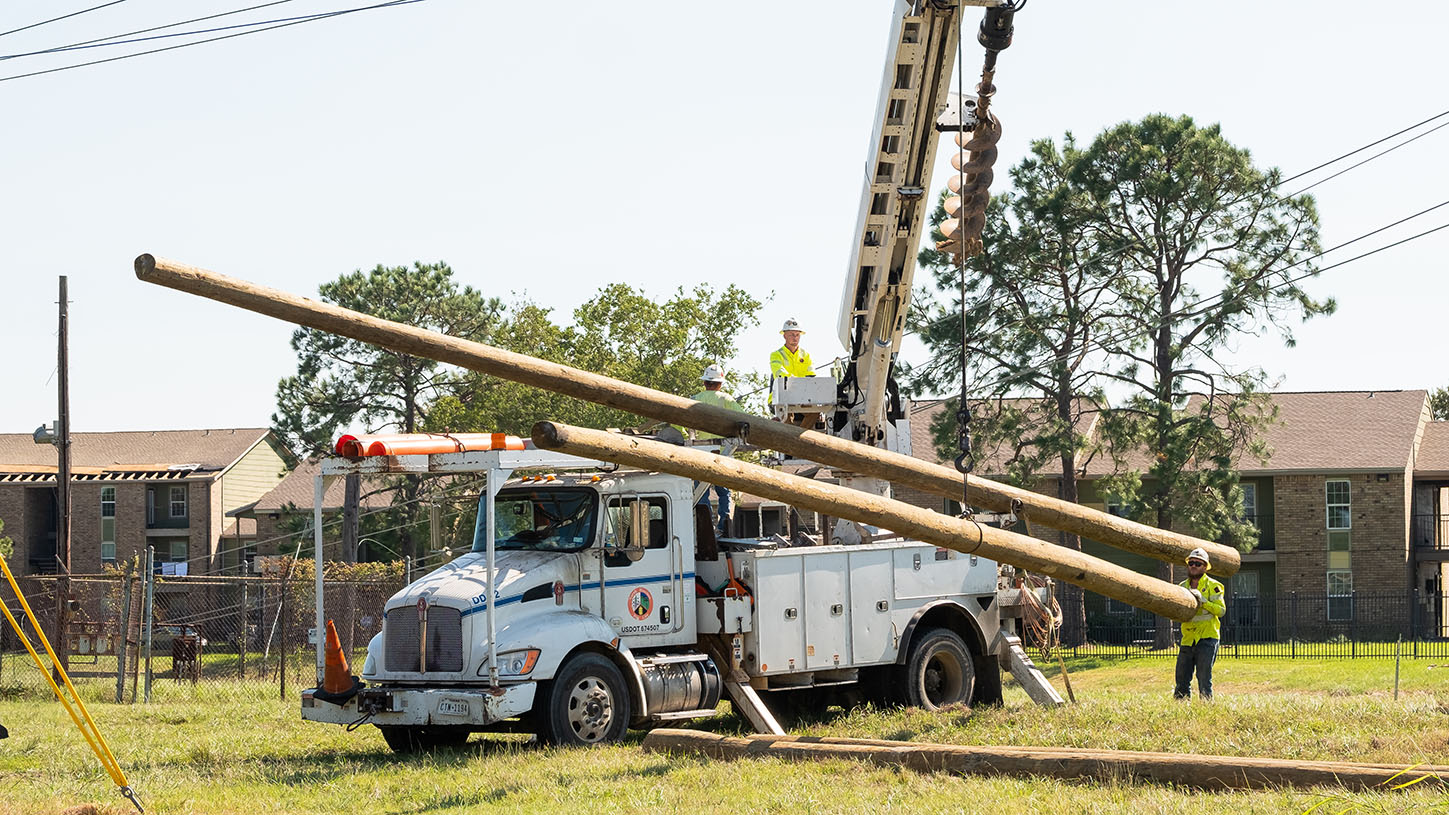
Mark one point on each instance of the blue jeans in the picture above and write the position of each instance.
(1198, 658)
(723, 494)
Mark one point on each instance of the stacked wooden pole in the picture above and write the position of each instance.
(806, 444)
(1032, 554)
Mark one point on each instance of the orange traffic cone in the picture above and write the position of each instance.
(338, 683)
(337, 678)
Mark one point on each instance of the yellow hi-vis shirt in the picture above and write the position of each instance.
(786, 363)
(718, 399)
(1207, 623)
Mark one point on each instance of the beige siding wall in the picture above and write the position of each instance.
(252, 477)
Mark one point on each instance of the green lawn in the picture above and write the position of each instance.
(229, 755)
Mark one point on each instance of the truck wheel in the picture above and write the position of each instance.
(423, 739)
(939, 672)
(586, 703)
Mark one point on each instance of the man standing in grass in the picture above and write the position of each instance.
(1200, 634)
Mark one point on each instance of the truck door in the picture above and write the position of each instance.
(643, 584)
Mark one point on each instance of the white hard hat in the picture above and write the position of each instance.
(1200, 554)
(791, 325)
(712, 373)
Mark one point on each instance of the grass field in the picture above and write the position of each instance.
(253, 757)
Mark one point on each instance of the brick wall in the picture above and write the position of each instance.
(85, 527)
(12, 511)
(1379, 534)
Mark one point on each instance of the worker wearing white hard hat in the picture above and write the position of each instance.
(1199, 648)
(790, 359)
(713, 378)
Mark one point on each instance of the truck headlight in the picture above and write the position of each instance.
(513, 663)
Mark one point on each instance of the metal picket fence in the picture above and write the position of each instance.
(1287, 626)
(177, 638)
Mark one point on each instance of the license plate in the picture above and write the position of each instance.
(453, 707)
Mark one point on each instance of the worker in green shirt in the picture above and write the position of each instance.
(713, 394)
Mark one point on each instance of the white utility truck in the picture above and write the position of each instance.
(595, 599)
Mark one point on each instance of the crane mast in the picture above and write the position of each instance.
(914, 91)
(914, 105)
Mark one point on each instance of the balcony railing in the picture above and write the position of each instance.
(1431, 531)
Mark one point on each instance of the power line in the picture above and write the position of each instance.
(1357, 150)
(312, 19)
(1114, 339)
(108, 42)
(1367, 160)
(75, 45)
(61, 17)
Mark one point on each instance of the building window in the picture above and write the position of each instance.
(1337, 496)
(1250, 503)
(1115, 606)
(178, 501)
(1245, 608)
(1340, 595)
(108, 524)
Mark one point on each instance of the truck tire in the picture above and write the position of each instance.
(423, 739)
(586, 703)
(939, 672)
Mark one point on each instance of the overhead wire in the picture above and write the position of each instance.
(77, 45)
(1101, 344)
(310, 19)
(61, 17)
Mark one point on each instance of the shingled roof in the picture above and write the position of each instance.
(1343, 430)
(1316, 431)
(1433, 459)
(109, 455)
(298, 489)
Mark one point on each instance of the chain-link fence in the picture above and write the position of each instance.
(131, 639)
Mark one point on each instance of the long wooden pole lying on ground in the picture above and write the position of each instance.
(905, 519)
(807, 444)
(1203, 772)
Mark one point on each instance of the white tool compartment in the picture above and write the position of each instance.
(835, 607)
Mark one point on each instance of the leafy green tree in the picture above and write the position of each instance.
(7, 546)
(343, 384)
(1439, 404)
(620, 332)
(1033, 309)
(1203, 251)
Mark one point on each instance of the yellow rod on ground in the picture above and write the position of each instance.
(98, 743)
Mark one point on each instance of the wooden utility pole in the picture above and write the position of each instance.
(351, 492)
(62, 487)
(1186, 769)
(969, 537)
(821, 448)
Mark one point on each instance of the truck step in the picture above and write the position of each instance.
(747, 702)
(1025, 671)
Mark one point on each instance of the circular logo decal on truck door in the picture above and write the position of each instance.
(641, 603)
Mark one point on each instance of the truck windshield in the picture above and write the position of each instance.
(551, 520)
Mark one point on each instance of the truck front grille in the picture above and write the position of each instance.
(445, 639)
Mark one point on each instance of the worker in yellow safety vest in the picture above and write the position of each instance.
(789, 359)
(713, 394)
(1199, 647)
(792, 360)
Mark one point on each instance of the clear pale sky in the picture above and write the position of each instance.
(545, 149)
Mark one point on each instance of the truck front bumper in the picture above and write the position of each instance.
(403, 706)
